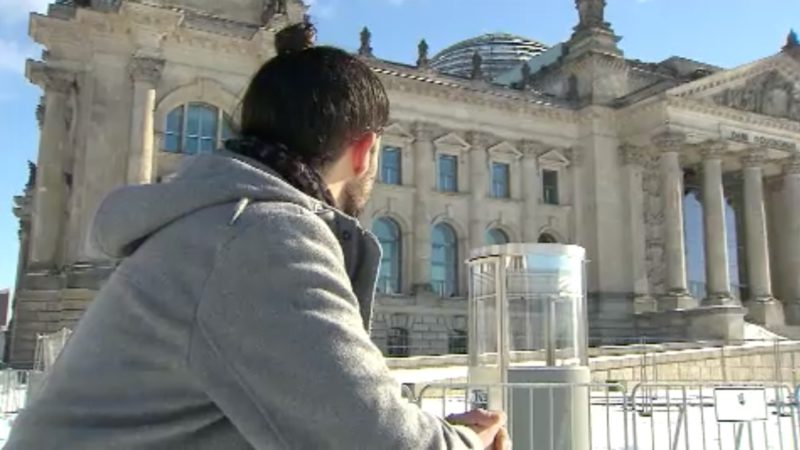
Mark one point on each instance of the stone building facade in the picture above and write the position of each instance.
(578, 145)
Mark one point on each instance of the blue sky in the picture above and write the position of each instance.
(722, 32)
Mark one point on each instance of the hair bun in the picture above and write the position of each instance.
(295, 38)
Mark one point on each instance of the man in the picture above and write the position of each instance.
(238, 318)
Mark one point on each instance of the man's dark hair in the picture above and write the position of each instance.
(305, 105)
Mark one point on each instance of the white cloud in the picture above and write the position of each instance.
(18, 10)
(13, 56)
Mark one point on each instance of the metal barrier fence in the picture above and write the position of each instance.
(651, 416)
(597, 413)
(688, 416)
(16, 387)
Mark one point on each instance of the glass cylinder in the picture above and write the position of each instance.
(528, 306)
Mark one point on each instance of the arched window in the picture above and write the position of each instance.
(397, 343)
(496, 236)
(388, 233)
(547, 238)
(196, 128)
(458, 342)
(444, 260)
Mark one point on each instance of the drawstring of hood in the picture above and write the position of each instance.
(285, 163)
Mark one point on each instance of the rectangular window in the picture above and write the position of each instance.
(447, 177)
(500, 180)
(550, 187)
(390, 166)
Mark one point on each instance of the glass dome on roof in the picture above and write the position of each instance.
(500, 52)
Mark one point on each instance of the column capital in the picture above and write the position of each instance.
(576, 154)
(791, 165)
(670, 141)
(146, 69)
(754, 157)
(531, 147)
(424, 131)
(480, 140)
(51, 79)
(634, 154)
(713, 149)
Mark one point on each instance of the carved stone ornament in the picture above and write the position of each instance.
(52, 79)
(755, 157)
(531, 147)
(633, 154)
(670, 141)
(713, 149)
(480, 140)
(770, 94)
(791, 165)
(40, 112)
(425, 132)
(146, 69)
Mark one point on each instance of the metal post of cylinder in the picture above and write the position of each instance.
(550, 325)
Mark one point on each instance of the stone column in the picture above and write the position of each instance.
(425, 166)
(145, 73)
(718, 279)
(530, 190)
(635, 159)
(791, 192)
(670, 145)
(762, 307)
(480, 173)
(51, 189)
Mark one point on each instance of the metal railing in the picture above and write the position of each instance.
(651, 416)
(597, 413)
(688, 416)
(16, 388)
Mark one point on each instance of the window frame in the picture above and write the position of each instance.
(505, 192)
(224, 125)
(398, 151)
(457, 335)
(507, 154)
(450, 286)
(554, 161)
(440, 186)
(488, 233)
(395, 349)
(396, 276)
(545, 197)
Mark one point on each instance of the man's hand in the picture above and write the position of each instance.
(488, 425)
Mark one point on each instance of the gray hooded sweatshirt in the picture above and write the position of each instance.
(238, 319)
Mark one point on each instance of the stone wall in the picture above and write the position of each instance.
(753, 362)
(668, 363)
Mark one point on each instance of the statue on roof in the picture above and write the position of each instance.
(792, 41)
(280, 6)
(422, 54)
(477, 66)
(366, 43)
(31, 175)
(526, 74)
(591, 12)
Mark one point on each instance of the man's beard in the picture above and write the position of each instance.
(357, 192)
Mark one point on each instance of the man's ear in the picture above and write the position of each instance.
(361, 152)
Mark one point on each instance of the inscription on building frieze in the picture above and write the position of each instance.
(758, 139)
